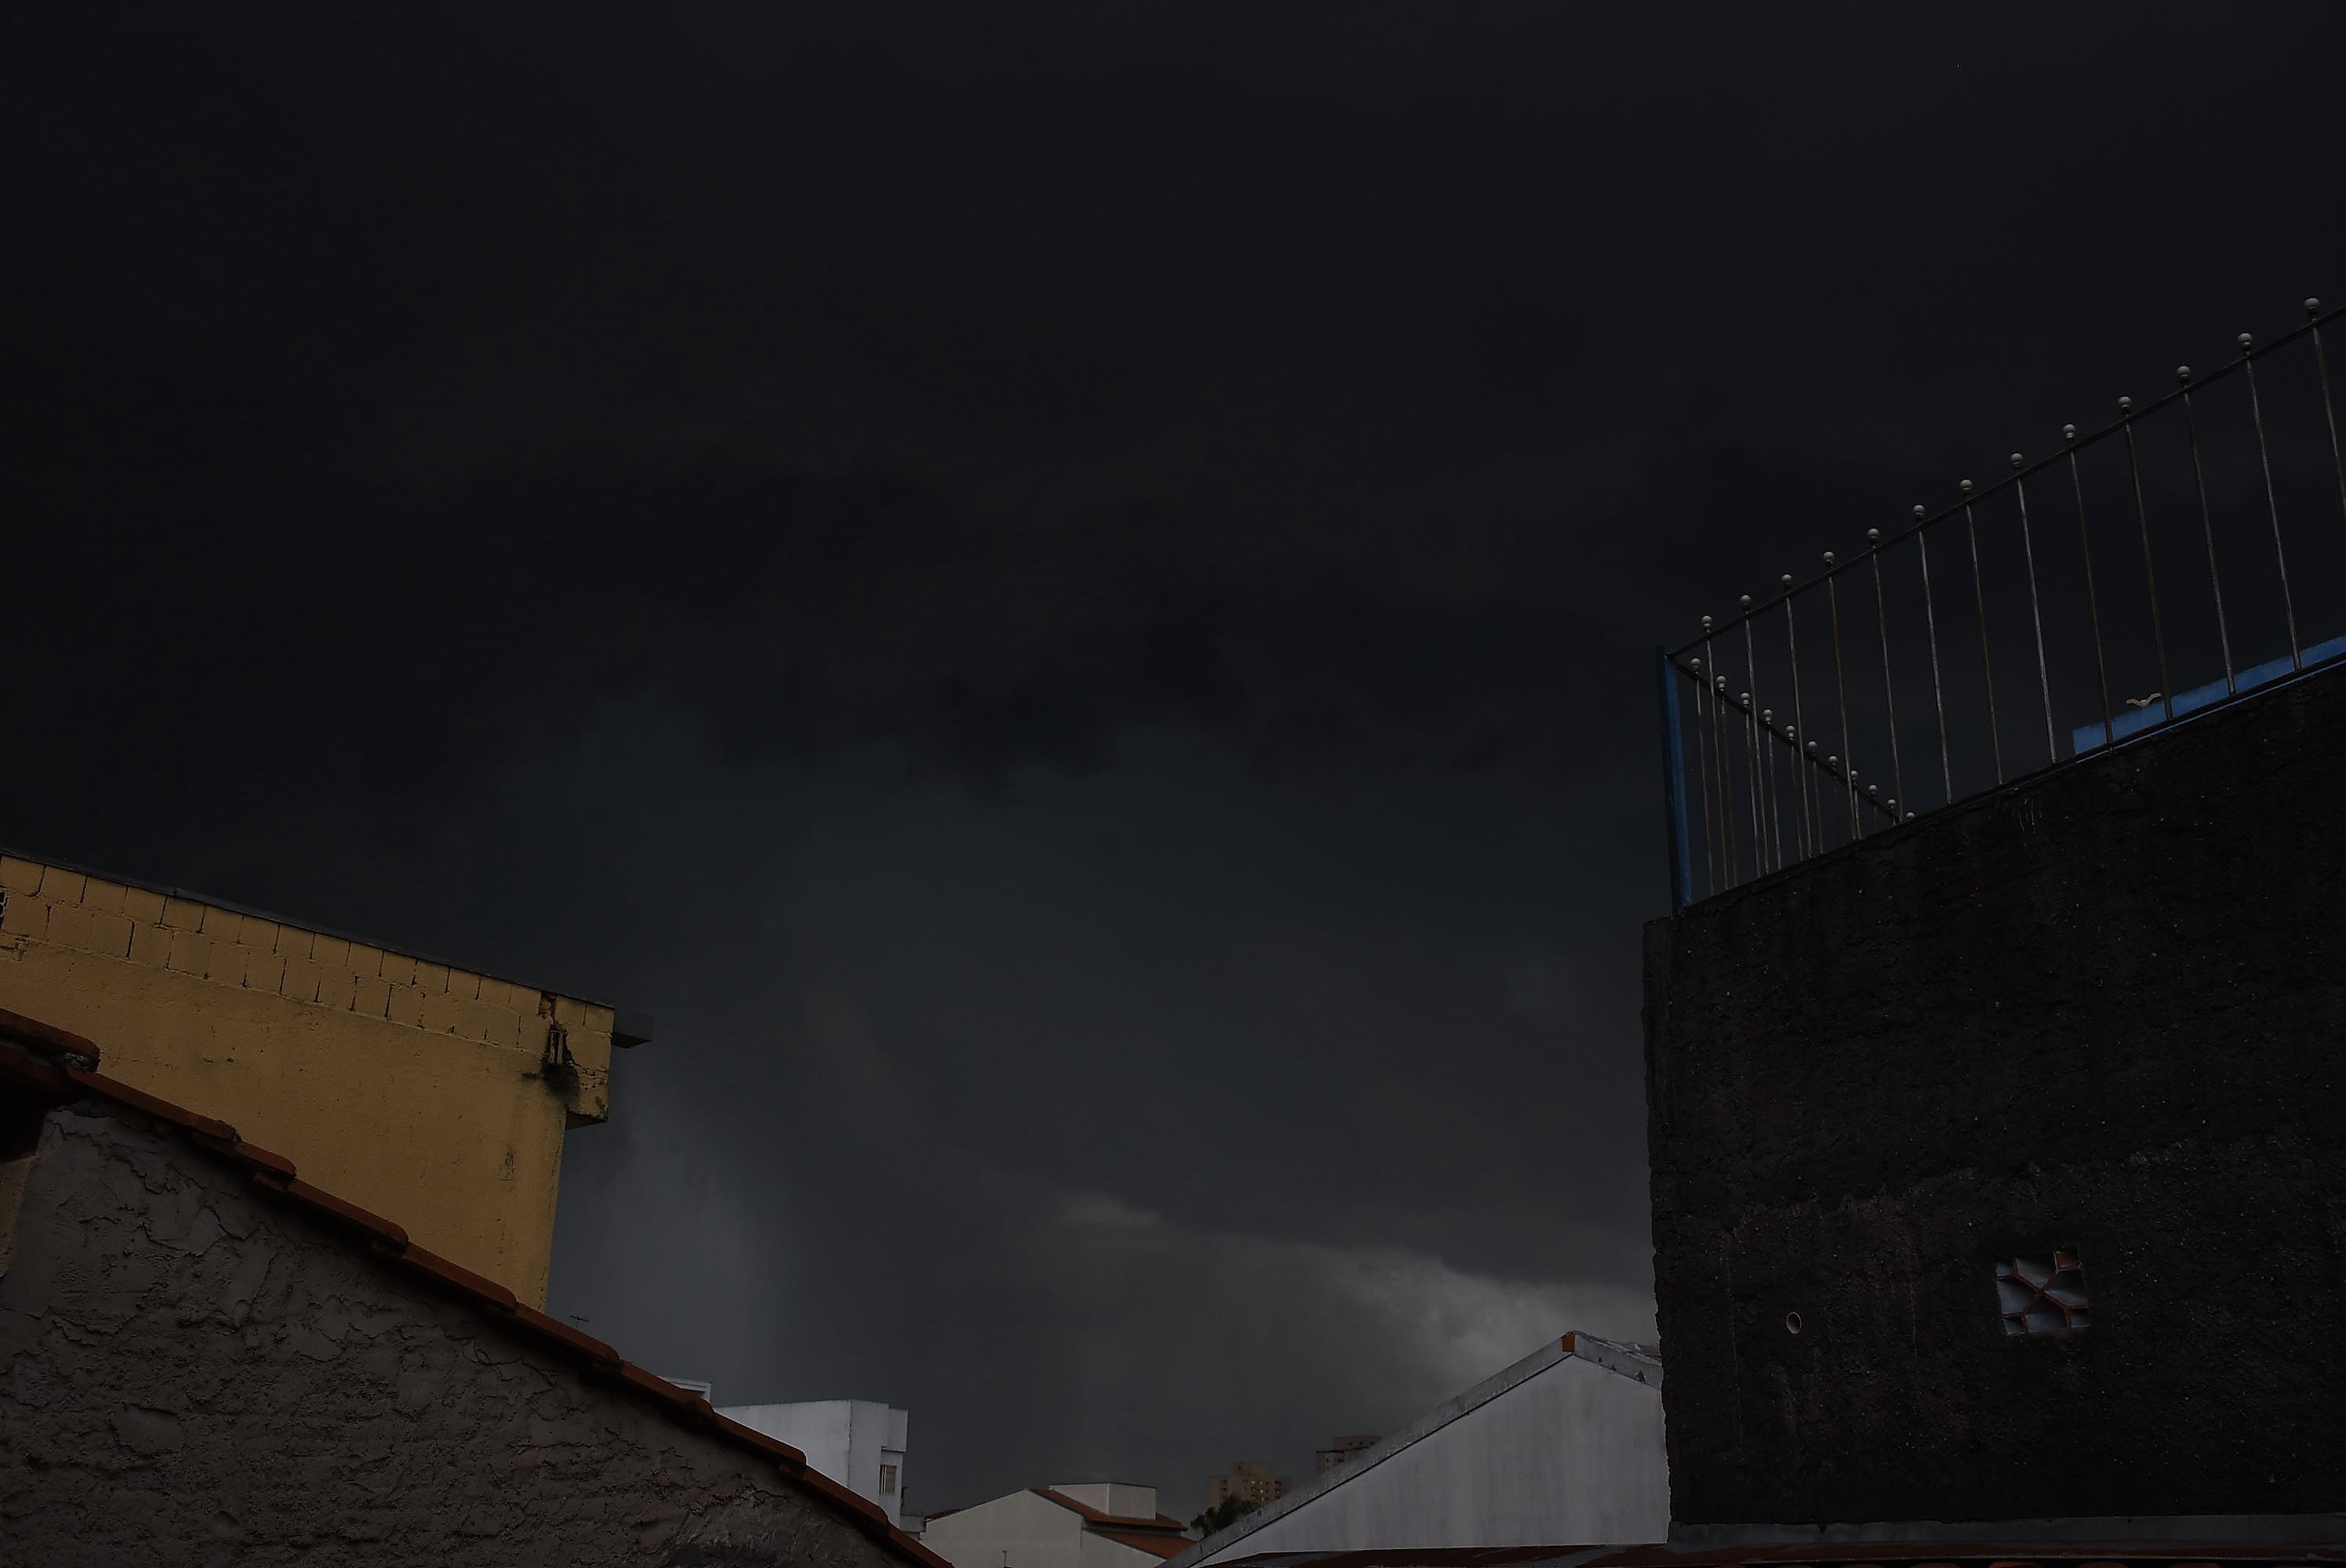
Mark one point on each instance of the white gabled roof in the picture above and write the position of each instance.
(1618, 1490)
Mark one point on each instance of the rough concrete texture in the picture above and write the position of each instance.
(193, 1371)
(2102, 1009)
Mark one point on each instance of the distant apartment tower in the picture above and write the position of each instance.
(1250, 1483)
(858, 1443)
(1344, 1450)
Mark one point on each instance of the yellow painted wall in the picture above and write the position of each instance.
(435, 1096)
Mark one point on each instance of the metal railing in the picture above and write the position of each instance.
(2158, 548)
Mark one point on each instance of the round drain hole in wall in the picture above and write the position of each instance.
(1791, 1322)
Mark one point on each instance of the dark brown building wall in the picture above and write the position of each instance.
(194, 1372)
(2105, 1009)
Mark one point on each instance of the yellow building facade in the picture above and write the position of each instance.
(435, 1096)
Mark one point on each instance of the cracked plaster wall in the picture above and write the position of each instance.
(191, 1372)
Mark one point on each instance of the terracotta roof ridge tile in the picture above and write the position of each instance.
(63, 1081)
(1155, 1542)
(1094, 1516)
(77, 1051)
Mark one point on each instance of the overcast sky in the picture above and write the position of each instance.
(1065, 593)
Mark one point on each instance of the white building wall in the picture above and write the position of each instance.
(1571, 1455)
(847, 1439)
(1121, 1499)
(1020, 1531)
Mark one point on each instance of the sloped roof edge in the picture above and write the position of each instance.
(1637, 1363)
(1092, 1516)
(47, 1064)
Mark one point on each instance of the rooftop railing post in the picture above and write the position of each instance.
(2149, 570)
(1889, 688)
(1674, 789)
(2328, 410)
(2093, 598)
(1931, 624)
(2207, 528)
(1988, 660)
(2273, 501)
(2035, 609)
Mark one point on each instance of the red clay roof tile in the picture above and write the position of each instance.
(349, 1213)
(39, 1079)
(1155, 1544)
(48, 1037)
(477, 1285)
(1094, 1516)
(115, 1089)
(757, 1440)
(570, 1339)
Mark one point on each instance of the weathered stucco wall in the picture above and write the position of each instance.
(194, 1371)
(2106, 1010)
(409, 1086)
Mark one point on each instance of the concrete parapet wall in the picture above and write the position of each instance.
(2101, 1011)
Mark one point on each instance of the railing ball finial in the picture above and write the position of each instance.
(1698, 665)
(2183, 374)
(1722, 686)
(1746, 601)
(1872, 790)
(1787, 580)
(1921, 512)
(2017, 460)
(1829, 557)
(1966, 487)
(1812, 745)
(1873, 536)
(1745, 698)
(2068, 432)
(2126, 405)
(2314, 307)
(1706, 622)
(1766, 715)
(2245, 342)
(1893, 808)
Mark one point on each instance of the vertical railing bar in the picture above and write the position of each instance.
(2149, 571)
(1987, 661)
(1889, 690)
(1728, 855)
(1702, 772)
(1751, 748)
(2035, 612)
(2329, 412)
(2273, 501)
(1674, 789)
(1808, 833)
(2207, 528)
(1751, 717)
(1841, 691)
(1938, 692)
(1775, 792)
(2093, 595)
(1752, 701)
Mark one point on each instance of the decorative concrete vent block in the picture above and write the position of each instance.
(2043, 1296)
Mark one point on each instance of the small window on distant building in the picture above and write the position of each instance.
(887, 1481)
(2043, 1296)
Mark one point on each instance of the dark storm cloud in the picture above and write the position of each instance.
(1067, 592)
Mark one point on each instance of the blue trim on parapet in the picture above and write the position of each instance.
(2088, 738)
